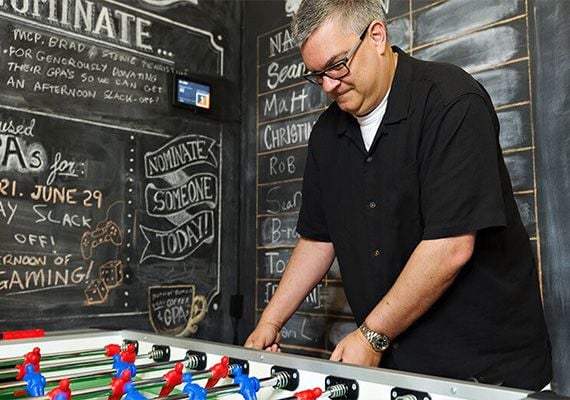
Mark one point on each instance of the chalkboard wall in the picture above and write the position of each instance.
(508, 46)
(115, 206)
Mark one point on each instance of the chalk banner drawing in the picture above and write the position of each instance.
(182, 193)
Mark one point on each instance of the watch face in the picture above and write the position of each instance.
(380, 343)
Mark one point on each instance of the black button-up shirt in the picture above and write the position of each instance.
(435, 169)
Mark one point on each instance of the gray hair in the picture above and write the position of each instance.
(353, 15)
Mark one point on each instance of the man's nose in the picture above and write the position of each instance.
(329, 84)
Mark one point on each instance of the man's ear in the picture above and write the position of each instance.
(379, 35)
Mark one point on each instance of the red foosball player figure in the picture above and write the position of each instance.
(309, 394)
(173, 378)
(219, 371)
(112, 349)
(129, 355)
(33, 357)
(118, 385)
(62, 391)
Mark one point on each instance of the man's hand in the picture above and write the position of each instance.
(355, 349)
(265, 336)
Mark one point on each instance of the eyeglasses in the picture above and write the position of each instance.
(339, 69)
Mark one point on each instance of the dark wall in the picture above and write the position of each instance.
(517, 49)
(116, 208)
(552, 118)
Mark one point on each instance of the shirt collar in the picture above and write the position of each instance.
(400, 93)
(399, 97)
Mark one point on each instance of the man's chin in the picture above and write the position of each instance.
(346, 106)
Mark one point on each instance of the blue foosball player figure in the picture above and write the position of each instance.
(120, 365)
(195, 391)
(35, 382)
(248, 387)
(131, 393)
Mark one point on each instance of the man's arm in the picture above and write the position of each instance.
(429, 272)
(307, 265)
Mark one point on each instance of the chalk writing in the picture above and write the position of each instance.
(276, 265)
(181, 241)
(312, 302)
(281, 42)
(180, 153)
(17, 154)
(283, 165)
(93, 19)
(307, 331)
(279, 231)
(65, 195)
(176, 309)
(61, 167)
(55, 272)
(43, 214)
(271, 263)
(7, 211)
(33, 239)
(35, 62)
(197, 190)
(278, 74)
(25, 128)
(277, 201)
(291, 101)
(287, 133)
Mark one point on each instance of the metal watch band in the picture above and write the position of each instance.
(379, 341)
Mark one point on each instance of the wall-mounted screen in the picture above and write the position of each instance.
(191, 93)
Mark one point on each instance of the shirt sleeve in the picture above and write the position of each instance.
(312, 222)
(461, 187)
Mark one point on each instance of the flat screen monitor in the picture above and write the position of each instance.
(191, 93)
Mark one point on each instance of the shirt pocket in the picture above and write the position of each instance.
(404, 206)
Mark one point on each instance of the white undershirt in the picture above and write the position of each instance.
(370, 122)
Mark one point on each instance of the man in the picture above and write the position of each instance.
(406, 185)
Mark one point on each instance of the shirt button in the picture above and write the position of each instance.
(375, 253)
(372, 204)
(369, 158)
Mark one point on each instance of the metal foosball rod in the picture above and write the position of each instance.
(76, 353)
(245, 385)
(128, 353)
(189, 363)
(115, 386)
(170, 380)
(332, 392)
(106, 351)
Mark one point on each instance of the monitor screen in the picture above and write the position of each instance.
(191, 93)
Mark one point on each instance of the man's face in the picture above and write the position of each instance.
(357, 92)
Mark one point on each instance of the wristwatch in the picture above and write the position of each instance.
(379, 341)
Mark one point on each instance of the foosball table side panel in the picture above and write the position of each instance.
(371, 383)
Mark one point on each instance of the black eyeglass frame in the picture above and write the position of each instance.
(316, 78)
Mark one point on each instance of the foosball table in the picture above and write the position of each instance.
(133, 365)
